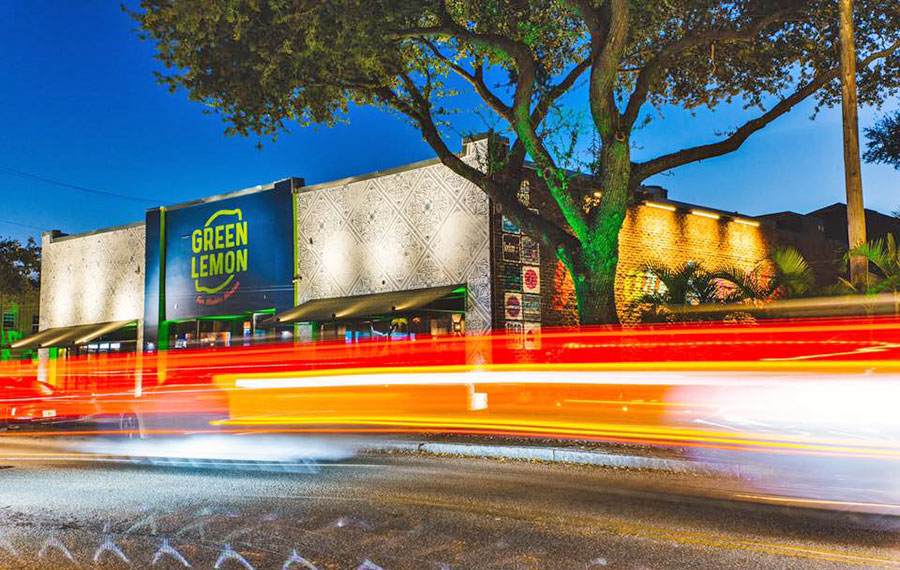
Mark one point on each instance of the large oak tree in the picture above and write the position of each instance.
(264, 64)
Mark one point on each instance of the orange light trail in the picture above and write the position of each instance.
(661, 385)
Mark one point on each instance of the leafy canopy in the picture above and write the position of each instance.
(265, 63)
(20, 266)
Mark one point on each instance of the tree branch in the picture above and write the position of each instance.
(652, 70)
(644, 170)
(558, 90)
(516, 50)
(604, 70)
(476, 79)
(591, 16)
(419, 110)
(522, 122)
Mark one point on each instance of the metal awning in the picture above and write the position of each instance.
(365, 305)
(70, 336)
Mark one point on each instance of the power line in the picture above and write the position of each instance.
(76, 187)
(10, 222)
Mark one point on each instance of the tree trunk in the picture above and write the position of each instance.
(595, 289)
(856, 218)
(594, 266)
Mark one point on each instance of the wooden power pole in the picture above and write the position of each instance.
(856, 217)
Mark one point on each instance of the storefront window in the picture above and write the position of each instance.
(240, 330)
(411, 327)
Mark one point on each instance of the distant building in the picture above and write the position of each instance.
(19, 318)
(834, 223)
(821, 235)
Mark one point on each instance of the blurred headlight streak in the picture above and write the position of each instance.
(809, 407)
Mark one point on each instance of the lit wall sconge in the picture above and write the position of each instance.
(704, 214)
(752, 223)
(659, 206)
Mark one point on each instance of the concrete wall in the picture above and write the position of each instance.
(92, 278)
(418, 227)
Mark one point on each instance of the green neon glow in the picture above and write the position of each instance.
(295, 268)
(162, 334)
(246, 315)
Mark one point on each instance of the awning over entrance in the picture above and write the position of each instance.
(70, 336)
(366, 305)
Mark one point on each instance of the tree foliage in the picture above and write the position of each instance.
(20, 266)
(884, 141)
(783, 273)
(267, 64)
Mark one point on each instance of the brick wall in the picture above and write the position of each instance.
(648, 235)
(548, 301)
(652, 235)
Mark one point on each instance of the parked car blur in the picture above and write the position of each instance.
(29, 402)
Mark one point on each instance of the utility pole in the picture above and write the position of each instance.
(856, 217)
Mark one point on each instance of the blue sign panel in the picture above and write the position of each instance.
(230, 256)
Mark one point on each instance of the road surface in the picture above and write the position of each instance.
(407, 512)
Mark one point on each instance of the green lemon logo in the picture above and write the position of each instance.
(220, 251)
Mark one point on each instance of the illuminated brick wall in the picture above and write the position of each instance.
(651, 235)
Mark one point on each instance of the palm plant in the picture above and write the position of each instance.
(688, 284)
(883, 254)
(783, 273)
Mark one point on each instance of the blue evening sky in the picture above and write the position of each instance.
(79, 105)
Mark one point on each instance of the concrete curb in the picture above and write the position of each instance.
(557, 455)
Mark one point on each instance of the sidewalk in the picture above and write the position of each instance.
(599, 454)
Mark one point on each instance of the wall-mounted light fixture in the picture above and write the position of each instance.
(659, 206)
(705, 214)
(752, 223)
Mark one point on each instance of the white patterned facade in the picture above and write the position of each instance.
(421, 227)
(93, 278)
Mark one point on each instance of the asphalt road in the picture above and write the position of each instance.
(406, 512)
